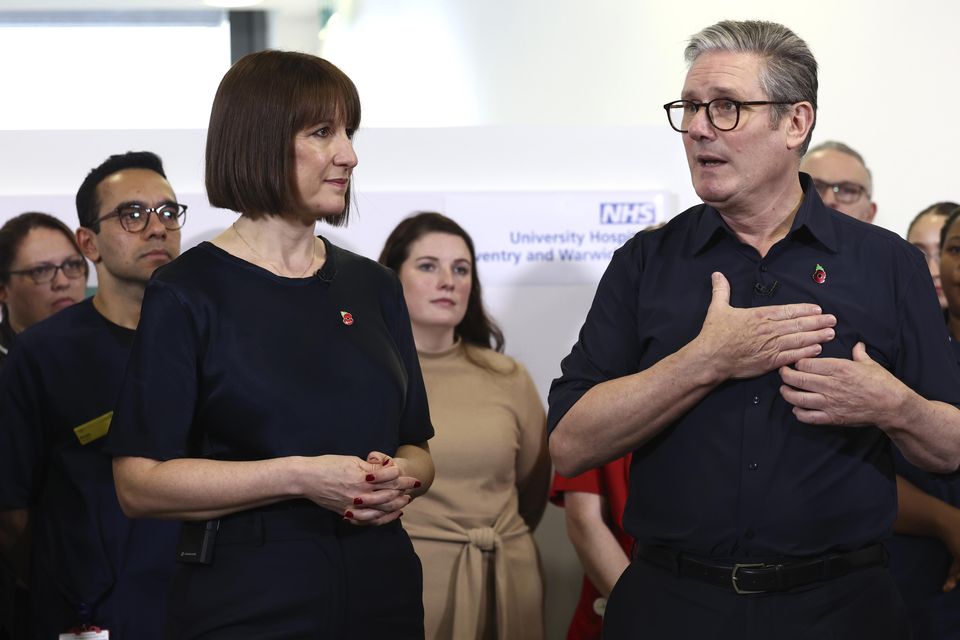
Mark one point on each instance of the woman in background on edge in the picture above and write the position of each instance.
(924, 234)
(925, 550)
(41, 272)
(273, 400)
(472, 531)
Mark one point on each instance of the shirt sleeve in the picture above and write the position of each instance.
(533, 458)
(158, 397)
(586, 482)
(608, 345)
(415, 425)
(21, 431)
(925, 360)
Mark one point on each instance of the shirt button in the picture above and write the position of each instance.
(763, 268)
(749, 534)
(753, 466)
(756, 399)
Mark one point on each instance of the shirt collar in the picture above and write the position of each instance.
(812, 216)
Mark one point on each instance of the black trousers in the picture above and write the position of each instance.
(651, 603)
(300, 573)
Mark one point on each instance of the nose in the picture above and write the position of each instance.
(154, 228)
(829, 198)
(445, 279)
(700, 126)
(60, 280)
(345, 156)
(933, 263)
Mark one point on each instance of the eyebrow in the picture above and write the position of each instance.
(467, 260)
(142, 204)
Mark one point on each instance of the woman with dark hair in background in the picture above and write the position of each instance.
(472, 531)
(41, 272)
(925, 550)
(273, 399)
(924, 234)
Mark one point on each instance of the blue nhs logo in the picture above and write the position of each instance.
(635, 213)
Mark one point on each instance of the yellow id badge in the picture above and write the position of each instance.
(95, 429)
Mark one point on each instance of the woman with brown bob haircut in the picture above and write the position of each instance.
(273, 400)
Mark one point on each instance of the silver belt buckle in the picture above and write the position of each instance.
(733, 576)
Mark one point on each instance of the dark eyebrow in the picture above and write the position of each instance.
(142, 205)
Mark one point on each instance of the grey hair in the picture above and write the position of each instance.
(788, 72)
(833, 145)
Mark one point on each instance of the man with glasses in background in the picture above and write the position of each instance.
(90, 567)
(758, 355)
(842, 179)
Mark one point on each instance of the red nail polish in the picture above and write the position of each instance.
(348, 515)
(417, 484)
(371, 477)
(357, 501)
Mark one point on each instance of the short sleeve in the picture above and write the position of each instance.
(155, 411)
(925, 360)
(608, 344)
(586, 482)
(21, 431)
(415, 426)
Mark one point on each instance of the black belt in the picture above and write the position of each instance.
(763, 577)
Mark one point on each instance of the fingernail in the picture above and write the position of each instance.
(417, 484)
(348, 515)
(371, 477)
(357, 501)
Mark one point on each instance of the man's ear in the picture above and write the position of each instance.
(87, 240)
(3, 293)
(800, 121)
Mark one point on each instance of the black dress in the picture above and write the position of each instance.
(232, 362)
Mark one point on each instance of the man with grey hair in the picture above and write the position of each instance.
(732, 351)
(842, 179)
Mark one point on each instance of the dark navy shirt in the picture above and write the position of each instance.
(738, 475)
(62, 373)
(233, 362)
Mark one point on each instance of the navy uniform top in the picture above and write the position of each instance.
(87, 557)
(232, 362)
(738, 475)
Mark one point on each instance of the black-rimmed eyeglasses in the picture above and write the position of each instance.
(72, 268)
(843, 192)
(135, 218)
(723, 113)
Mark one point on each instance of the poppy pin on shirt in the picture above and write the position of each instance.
(347, 317)
(819, 275)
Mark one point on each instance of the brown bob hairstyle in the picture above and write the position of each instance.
(263, 102)
(476, 328)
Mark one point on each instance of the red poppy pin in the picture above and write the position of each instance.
(347, 318)
(819, 275)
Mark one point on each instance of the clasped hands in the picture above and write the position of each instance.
(745, 343)
(365, 492)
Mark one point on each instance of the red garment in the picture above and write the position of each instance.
(612, 482)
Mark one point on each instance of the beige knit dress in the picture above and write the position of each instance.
(481, 569)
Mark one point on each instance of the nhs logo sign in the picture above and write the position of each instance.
(635, 213)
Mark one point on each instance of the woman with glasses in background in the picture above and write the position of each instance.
(473, 531)
(41, 272)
